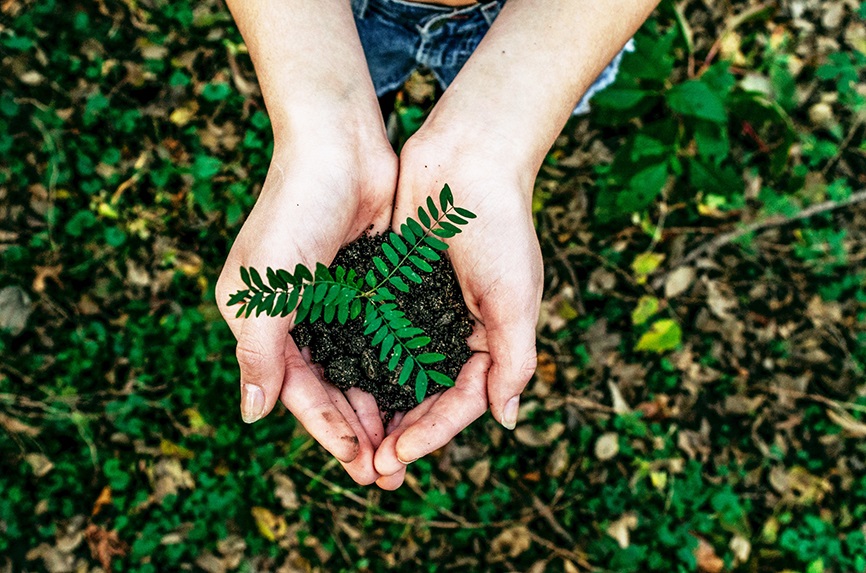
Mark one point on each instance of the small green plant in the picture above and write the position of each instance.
(342, 295)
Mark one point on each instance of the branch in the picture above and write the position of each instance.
(714, 245)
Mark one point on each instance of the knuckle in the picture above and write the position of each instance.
(252, 358)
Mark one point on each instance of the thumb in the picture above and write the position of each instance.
(261, 357)
(512, 351)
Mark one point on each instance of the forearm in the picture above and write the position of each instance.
(518, 89)
(310, 64)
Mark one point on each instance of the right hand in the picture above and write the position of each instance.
(320, 194)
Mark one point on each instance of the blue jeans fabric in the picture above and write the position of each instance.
(398, 36)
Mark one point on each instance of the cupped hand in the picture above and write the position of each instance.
(498, 264)
(318, 196)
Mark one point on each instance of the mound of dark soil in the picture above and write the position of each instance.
(345, 352)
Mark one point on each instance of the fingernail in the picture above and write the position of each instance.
(406, 463)
(509, 415)
(252, 403)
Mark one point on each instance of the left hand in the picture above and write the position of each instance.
(498, 264)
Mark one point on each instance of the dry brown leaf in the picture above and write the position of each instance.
(101, 501)
(286, 492)
(708, 561)
(44, 273)
(529, 436)
(620, 529)
(40, 463)
(510, 543)
(678, 281)
(479, 472)
(850, 425)
(607, 446)
(104, 545)
(16, 426)
(15, 309)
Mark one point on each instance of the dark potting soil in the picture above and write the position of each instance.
(436, 306)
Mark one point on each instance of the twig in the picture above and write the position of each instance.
(564, 553)
(715, 244)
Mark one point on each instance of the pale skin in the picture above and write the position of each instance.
(333, 175)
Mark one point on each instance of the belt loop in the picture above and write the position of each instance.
(359, 8)
(491, 9)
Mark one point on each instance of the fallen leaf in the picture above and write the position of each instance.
(607, 446)
(40, 463)
(741, 548)
(850, 425)
(678, 281)
(16, 426)
(271, 526)
(286, 492)
(15, 309)
(663, 335)
(645, 264)
(44, 273)
(510, 543)
(620, 529)
(101, 501)
(104, 545)
(708, 561)
(646, 307)
(479, 472)
(529, 436)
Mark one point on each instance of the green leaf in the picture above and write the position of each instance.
(664, 335)
(245, 276)
(238, 297)
(398, 243)
(440, 378)
(416, 228)
(421, 263)
(408, 332)
(328, 314)
(430, 358)
(301, 314)
(445, 197)
(333, 292)
(417, 342)
(646, 307)
(241, 310)
(431, 206)
(302, 273)
(372, 324)
(390, 253)
(315, 313)
(435, 243)
(465, 212)
(387, 344)
(319, 292)
(273, 280)
(380, 266)
(399, 322)
(407, 233)
(420, 385)
(424, 217)
(444, 233)
(406, 371)
(379, 336)
(286, 277)
(280, 305)
(457, 220)
(343, 313)
(355, 309)
(267, 304)
(695, 98)
(449, 227)
(257, 280)
(395, 358)
(293, 301)
(307, 297)
(399, 283)
(428, 253)
(370, 278)
(411, 275)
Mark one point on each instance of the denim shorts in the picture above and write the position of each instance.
(399, 36)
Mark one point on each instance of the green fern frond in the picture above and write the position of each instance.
(343, 295)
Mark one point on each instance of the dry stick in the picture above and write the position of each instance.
(564, 553)
(774, 221)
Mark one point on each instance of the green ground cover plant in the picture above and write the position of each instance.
(715, 191)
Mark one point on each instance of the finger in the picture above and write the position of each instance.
(513, 355)
(305, 397)
(386, 461)
(261, 357)
(429, 430)
(361, 468)
(392, 482)
(367, 411)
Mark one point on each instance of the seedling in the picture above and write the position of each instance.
(342, 295)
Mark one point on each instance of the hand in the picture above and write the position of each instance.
(319, 194)
(498, 263)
